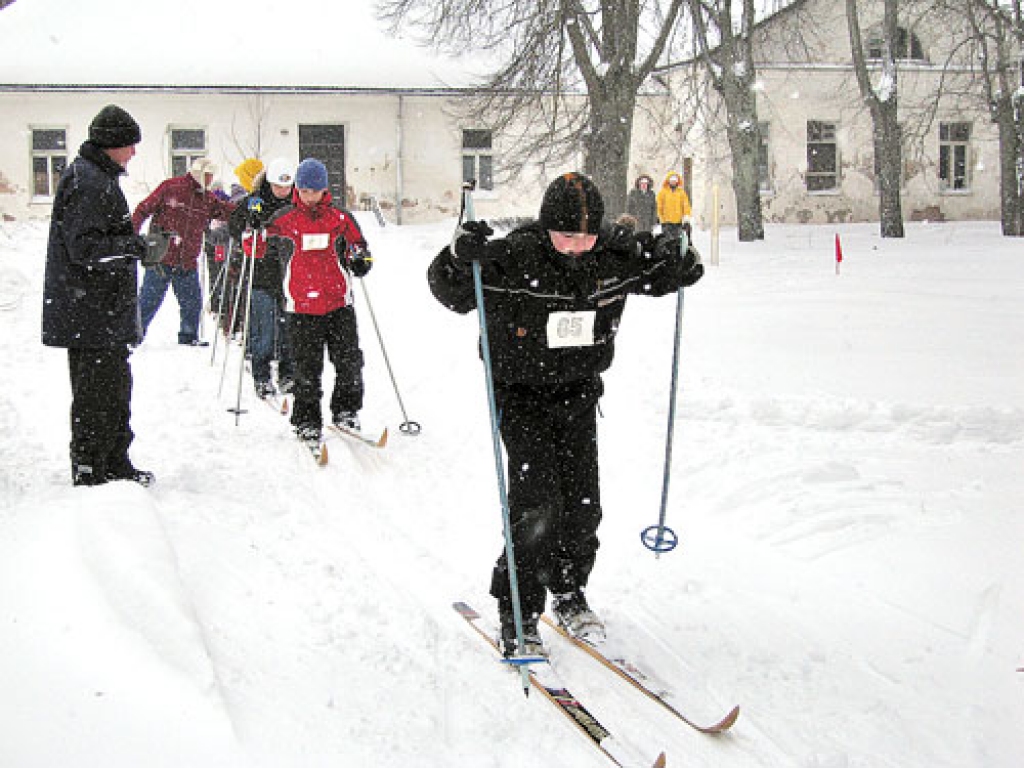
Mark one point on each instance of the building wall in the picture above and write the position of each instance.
(804, 72)
(412, 166)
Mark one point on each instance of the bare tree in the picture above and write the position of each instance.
(882, 100)
(997, 33)
(249, 141)
(567, 77)
(726, 52)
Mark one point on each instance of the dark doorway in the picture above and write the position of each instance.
(327, 144)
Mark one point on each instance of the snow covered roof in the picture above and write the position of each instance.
(251, 44)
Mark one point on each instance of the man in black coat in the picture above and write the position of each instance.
(554, 292)
(90, 304)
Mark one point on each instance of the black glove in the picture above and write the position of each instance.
(280, 247)
(157, 241)
(360, 261)
(687, 266)
(254, 208)
(666, 248)
(623, 239)
(470, 244)
(695, 270)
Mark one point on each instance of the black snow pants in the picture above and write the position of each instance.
(101, 394)
(550, 436)
(309, 334)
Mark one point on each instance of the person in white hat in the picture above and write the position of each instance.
(268, 331)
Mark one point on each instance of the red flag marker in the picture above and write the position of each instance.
(839, 253)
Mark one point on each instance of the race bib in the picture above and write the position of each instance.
(315, 242)
(571, 329)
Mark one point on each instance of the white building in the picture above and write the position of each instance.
(817, 158)
(234, 80)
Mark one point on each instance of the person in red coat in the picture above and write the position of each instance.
(321, 248)
(185, 206)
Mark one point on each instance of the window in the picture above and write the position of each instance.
(764, 165)
(49, 159)
(822, 156)
(908, 46)
(187, 144)
(954, 148)
(477, 159)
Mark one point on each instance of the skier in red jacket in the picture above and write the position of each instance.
(185, 206)
(320, 247)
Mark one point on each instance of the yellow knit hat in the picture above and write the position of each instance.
(247, 171)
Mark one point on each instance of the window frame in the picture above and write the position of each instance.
(824, 126)
(908, 46)
(477, 157)
(947, 160)
(49, 155)
(189, 154)
(765, 180)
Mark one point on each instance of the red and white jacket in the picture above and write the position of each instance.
(314, 280)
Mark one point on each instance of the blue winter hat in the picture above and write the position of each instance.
(312, 174)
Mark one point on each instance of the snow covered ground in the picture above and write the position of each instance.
(847, 487)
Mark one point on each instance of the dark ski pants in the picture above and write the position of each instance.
(268, 337)
(188, 292)
(101, 393)
(309, 334)
(550, 436)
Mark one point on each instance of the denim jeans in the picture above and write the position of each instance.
(185, 283)
(268, 337)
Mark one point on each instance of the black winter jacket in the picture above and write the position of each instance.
(552, 318)
(90, 286)
(266, 271)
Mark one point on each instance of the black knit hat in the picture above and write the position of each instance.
(572, 203)
(113, 128)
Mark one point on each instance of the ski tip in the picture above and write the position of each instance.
(661, 762)
(383, 441)
(726, 722)
(322, 458)
(465, 610)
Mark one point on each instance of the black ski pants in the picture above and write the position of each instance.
(101, 394)
(310, 334)
(550, 437)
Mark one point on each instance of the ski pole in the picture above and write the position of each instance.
(407, 427)
(517, 611)
(204, 285)
(245, 324)
(222, 283)
(660, 538)
(236, 304)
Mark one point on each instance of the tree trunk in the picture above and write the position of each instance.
(888, 150)
(1011, 162)
(606, 153)
(744, 145)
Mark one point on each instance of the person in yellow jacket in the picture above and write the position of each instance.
(673, 206)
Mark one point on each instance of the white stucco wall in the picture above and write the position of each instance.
(417, 159)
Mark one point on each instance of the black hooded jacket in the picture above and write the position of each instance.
(266, 271)
(552, 318)
(90, 286)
